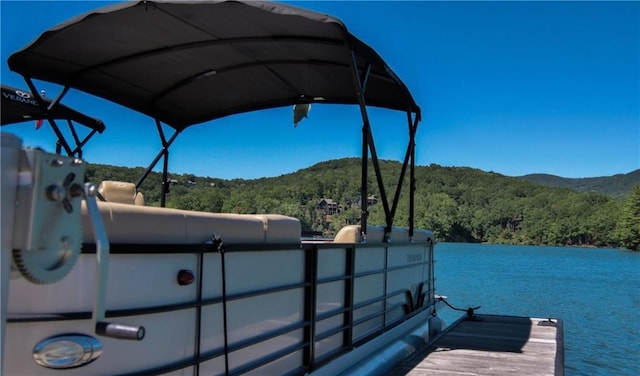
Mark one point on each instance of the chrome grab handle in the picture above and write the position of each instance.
(119, 331)
(102, 327)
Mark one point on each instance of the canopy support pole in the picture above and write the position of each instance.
(409, 158)
(164, 152)
(368, 146)
(359, 85)
(80, 143)
(383, 193)
(412, 176)
(61, 140)
(165, 164)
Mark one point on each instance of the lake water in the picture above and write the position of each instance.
(595, 291)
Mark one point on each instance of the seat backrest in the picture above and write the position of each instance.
(133, 224)
(120, 192)
(352, 234)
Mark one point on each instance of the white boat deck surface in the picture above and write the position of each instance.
(492, 345)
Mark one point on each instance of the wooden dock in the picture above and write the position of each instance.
(492, 345)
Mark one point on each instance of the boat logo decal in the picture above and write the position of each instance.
(414, 302)
(23, 94)
(20, 96)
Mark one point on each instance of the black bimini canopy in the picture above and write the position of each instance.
(21, 105)
(187, 62)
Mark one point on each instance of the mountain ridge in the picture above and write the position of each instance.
(618, 185)
(457, 203)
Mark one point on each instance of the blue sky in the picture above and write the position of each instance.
(509, 87)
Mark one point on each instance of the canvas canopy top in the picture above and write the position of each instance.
(187, 62)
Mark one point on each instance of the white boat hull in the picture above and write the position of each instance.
(257, 300)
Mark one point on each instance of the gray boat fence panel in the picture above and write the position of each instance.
(283, 307)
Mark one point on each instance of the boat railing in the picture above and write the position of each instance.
(334, 296)
(319, 299)
(345, 292)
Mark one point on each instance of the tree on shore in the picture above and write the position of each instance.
(628, 229)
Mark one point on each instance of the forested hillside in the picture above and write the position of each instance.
(618, 185)
(458, 204)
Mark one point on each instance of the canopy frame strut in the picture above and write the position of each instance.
(369, 148)
(163, 153)
(61, 142)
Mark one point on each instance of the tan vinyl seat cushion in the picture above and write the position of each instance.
(375, 234)
(279, 228)
(118, 191)
(134, 224)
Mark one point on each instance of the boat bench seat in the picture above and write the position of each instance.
(375, 234)
(122, 192)
(133, 224)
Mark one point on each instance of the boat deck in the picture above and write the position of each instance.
(492, 345)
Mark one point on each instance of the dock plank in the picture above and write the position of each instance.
(491, 345)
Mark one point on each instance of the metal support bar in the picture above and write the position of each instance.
(385, 302)
(412, 173)
(165, 165)
(74, 134)
(408, 157)
(368, 146)
(61, 140)
(432, 277)
(311, 278)
(165, 145)
(366, 130)
(349, 285)
(58, 98)
(78, 150)
(364, 78)
(358, 86)
(383, 194)
(364, 211)
(198, 326)
(161, 132)
(165, 184)
(224, 311)
(102, 327)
